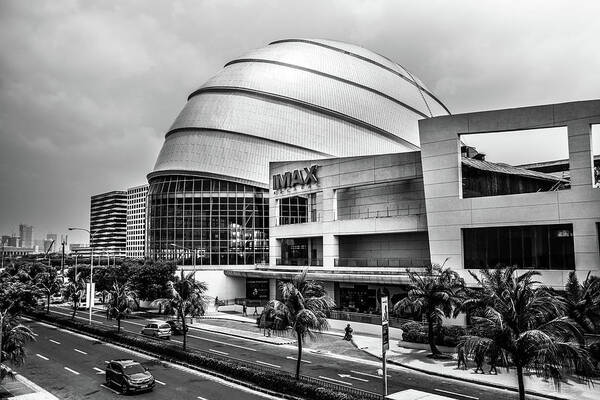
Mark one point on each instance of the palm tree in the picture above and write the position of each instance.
(583, 301)
(74, 292)
(13, 338)
(49, 283)
(436, 293)
(187, 297)
(526, 323)
(120, 302)
(305, 306)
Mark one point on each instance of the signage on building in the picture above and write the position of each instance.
(385, 322)
(290, 179)
(257, 289)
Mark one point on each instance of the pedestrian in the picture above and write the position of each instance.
(348, 330)
(462, 359)
(217, 303)
(255, 311)
(494, 354)
(244, 310)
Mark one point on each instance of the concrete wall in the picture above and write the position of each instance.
(409, 245)
(223, 286)
(386, 182)
(448, 213)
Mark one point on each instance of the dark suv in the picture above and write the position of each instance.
(129, 376)
(176, 327)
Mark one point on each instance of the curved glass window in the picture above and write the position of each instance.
(207, 221)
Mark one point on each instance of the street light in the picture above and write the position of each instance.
(91, 267)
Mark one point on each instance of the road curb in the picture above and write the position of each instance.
(473, 381)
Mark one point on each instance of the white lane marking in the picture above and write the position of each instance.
(99, 371)
(295, 359)
(352, 377)
(111, 389)
(42, 357)
(267, 364)
(176, 341)
(371, 375)
(106, 362)
(219, 352)
(456, 394)
(35, 334)
(71, 370)
(79, 351)
(54, 341)
(157, 381)
(201, 398)
(225, 343)
(336, 381)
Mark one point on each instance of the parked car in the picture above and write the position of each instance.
(56, 298)
(129, 376)
(158, 330)
(176, 327)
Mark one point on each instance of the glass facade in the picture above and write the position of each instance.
(213, 221)
(298, 209)
(528, 247)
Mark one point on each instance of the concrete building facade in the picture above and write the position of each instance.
(26, 235)
(136, 221)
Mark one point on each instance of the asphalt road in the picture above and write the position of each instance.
(71, 366)
(345, 371)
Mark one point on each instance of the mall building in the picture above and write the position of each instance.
(320, 155)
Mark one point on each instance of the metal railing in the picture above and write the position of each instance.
(313, 262)
(350, 316)
(388, 212)
(382, 262)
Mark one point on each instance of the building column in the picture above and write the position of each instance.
(331, 250)
(274, 251)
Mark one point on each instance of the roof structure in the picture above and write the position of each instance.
(510, 170)
(295, 99)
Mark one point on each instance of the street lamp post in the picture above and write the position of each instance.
(91, 268)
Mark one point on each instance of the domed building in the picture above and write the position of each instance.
(295, 99)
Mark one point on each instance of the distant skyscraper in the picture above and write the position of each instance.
(108, 222)
(136, 221)
(26, 234)
(48, 246)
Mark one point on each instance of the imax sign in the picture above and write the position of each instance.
(288, 180)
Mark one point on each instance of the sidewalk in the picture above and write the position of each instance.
(22, 388)
(416, 359)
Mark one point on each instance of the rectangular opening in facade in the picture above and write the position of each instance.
(386, 250)
(301, 252)
(526, 247)
(596, 155)
(514, 162)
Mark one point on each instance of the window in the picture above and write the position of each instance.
(596, 155)
(527, 247)
(293, 210)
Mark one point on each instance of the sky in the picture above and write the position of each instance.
(89, 88)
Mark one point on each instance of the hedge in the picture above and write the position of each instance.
(416, 332)
(280, 383)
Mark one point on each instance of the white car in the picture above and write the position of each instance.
(158, 330)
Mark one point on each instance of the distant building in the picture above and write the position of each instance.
(11, 241)
(108, 222)
(48, 246)
(136, 221)
(13, 251)
(26, 234)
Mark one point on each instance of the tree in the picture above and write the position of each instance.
(306, 305)
(526, 323)
(436, 293)
(49, 283)
(150, 280)
(121, 300)
(74, 292)
(13, 338)
(583, 302)
(185, 296)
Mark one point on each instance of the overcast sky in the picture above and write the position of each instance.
(89, 88)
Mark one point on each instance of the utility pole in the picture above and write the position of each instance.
(62, 261)
(385, 339)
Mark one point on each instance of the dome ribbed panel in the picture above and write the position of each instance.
(228, 154)
(285, 123)
(323, 92)
(348, 67)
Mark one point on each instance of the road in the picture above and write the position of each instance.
(346, 371)
(71, 366)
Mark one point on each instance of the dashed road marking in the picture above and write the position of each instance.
(225, 343)
(80, 351)
(336, 381)
(157, 381)
(218, 352)
(99, 371)
(176, 341)
(295, 359)
(54, 341)
(111, 389)
(42, 357)
(71, 370)
(267, 364)
(201, 398)
(371, 375)
(456, 394)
